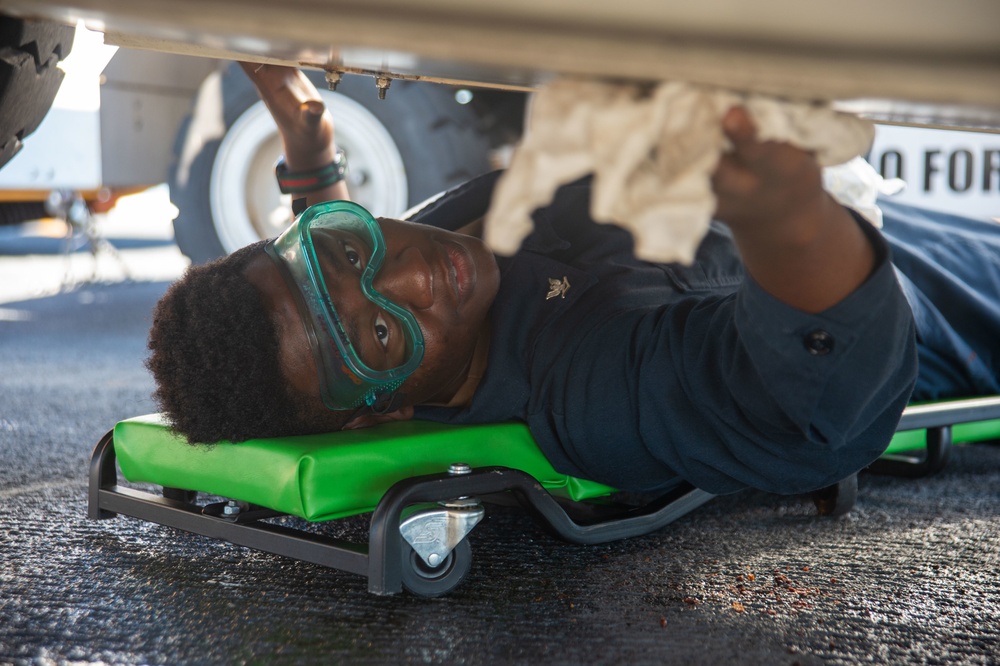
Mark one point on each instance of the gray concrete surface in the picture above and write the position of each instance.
(912, 575)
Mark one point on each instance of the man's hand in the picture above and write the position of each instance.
(796, 241)
(762, 181)
(305, 124)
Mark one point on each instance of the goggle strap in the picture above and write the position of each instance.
(386, 403)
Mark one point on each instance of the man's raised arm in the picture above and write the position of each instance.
(305, 125)
(798, 243)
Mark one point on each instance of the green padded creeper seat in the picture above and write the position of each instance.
(436, 475)
(322, 477)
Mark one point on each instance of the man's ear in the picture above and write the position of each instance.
(369, 419)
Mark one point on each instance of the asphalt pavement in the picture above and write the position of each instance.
(911, 575)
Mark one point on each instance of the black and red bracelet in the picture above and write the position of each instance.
(301, 182)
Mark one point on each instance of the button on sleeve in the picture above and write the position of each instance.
(818, 342)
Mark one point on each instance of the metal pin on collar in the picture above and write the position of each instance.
(557, 288)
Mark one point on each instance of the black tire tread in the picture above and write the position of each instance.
(454, 571)
(29, 77)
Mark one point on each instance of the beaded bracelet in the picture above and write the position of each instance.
(309, 181)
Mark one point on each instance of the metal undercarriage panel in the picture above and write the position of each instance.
(918, 61)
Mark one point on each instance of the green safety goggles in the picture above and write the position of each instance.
(364, 345)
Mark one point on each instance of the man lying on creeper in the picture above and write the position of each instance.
(781, 360)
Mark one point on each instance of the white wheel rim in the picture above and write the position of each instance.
(246, 205)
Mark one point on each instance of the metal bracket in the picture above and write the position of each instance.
(937, 419)
(434, 533)
(239, 512)
(933, 460)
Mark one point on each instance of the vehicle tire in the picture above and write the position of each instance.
(427, 581)
(417, 142)
(29, 78)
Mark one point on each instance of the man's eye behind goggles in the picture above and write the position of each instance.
(364, 345)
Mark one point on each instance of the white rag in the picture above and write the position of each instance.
(652, 153)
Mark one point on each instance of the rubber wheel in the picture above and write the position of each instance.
(427, 581)
(417, 142)
(836, 500)
(29, 78)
